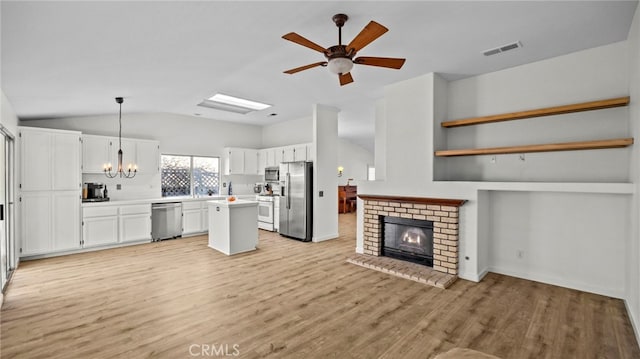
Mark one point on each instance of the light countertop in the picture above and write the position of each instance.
(165, 200)
(236, 203)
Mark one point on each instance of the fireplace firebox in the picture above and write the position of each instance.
(408, 239)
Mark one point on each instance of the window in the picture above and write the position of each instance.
(189, 175)
(371, 173)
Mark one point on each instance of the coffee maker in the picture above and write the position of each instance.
(94, 192)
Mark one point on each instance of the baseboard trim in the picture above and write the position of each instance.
(558, 282)
(325, 238)
(632, 317)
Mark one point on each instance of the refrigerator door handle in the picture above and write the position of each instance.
(288, 190)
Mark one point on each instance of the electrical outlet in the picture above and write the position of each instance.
(520, 254)
(224, 184)
(118, 186)
(321, 194)
(493, 159)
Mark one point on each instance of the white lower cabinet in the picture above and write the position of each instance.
(50, 221)
(194, 217)
(135, 222)
(99, 226)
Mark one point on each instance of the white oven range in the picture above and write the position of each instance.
(266, 212)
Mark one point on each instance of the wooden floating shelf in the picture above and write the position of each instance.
(566, 146)
(557, 110)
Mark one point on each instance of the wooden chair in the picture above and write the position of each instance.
(345, 204)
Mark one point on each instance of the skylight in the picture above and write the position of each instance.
(238, 102)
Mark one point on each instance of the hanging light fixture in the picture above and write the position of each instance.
(132, 169)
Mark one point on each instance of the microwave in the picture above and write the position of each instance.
(272, 174)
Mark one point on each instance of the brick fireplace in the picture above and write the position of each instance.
(444, 214)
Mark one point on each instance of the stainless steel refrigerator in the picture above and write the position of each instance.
(296, 204)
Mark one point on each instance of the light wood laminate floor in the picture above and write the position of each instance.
(174, 299)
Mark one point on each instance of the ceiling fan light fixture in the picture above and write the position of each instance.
(340, 65)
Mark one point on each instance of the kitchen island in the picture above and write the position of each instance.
(232, 226)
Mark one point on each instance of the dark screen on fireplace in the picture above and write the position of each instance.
(408, 239)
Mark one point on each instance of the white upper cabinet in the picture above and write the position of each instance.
(95, 153)
(300, 153)
(50, 159)
(35, 147)
(148, 157)
(288, 154)
(262, 161)
(234, 161)
(271, 157)
(66, 162)
(100, 150)
(250, 162)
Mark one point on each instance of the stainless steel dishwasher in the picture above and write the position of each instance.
(166, 220)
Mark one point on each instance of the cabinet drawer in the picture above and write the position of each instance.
(88, 212)
(191, 205)
(135, 209)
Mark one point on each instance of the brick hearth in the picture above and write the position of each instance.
(442, 212)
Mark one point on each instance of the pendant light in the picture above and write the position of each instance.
(120, 171)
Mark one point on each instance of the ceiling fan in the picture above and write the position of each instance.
(340, 58)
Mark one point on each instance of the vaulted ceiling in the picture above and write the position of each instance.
(64, 59)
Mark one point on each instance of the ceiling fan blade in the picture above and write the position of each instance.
(372, 31)
(389, 62)
(345, 78)
(293, 37)
(305, 67)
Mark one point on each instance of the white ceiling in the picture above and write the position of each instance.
(64, 59)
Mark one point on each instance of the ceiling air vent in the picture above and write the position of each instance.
(502, 48)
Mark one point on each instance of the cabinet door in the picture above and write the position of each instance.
(300, 153)
(148, 157)
(66, 162)
(250, 162)
(36, 222)
(95, 153)
(262, 161)
(205, 218)
(129, 156)
(234, 161)
(288, 154)
(271, 158)
(135, 227)
(311, 152)
(98, 231)
(35, 148)
(279, 153)
(191, 221)
(66, 220)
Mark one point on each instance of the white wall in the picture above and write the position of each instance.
(633, 246)
(8, 117)
(574, 240)
(325, 180)
(593, 74)
(354, 159)
(414, 108)
(286, 133)
(380, 146)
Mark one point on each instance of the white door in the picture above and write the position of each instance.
(4, 240)
(279, 153)
(35, 147)
(205, 218)
(95, 153)
(148, 157)
(271, 158)
(36, 222)
(135, 227)
(66, 150)
(66, 220)
(97, 231)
